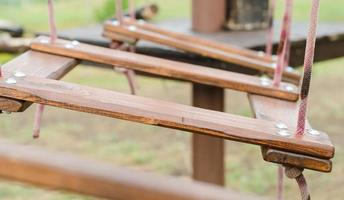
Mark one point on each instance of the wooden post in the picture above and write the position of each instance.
(208, 16)
(208, 152)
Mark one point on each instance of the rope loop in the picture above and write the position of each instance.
(296, 173)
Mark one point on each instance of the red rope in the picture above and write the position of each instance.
(302, 183)
(282, 48)
(308, 64)
(53, 37)
(270, 36)
(132, 9)
(119, 11)
(280, 184)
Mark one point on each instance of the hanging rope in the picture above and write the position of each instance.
(270, 35)
(132, 12)
(280, 182)
(53, 37)
(282, 48)
(308, 64)
(130, 74)
(295, 173)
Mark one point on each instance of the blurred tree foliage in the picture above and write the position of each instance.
(108, 10)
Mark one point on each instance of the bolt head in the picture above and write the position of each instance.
(265, 81)
(289, 88)
(281, 126)
(19, 74)
(141, 21)
(283, 133)
(75, 42)
(313, 132)
(11, 81)
(69, 46)
(44, 41)
(261, 53)
(132, 28)
(115, 23)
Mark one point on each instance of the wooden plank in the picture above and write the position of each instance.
(61, 171)
(296, 160)
(35, 64)
(286, 112)
(208, 158)
(208, 16)
(161, 113)
(227, 48)
(264, 67)
(164, 67)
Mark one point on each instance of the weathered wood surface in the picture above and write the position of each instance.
(208, 16)
(286, 112)
(161, 113)
(330, 42)
(208, 153)
(227, 48)
(35, 64)
(60, 171)
(300, 161)
(138, 33)
(164, 67)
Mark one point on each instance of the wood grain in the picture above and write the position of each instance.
(61, 171)
(286, 112)
(161, 113)
(35, 64)
(264, 67)
(296, 160)
(227, 48)
(208, 153)
(163, 67)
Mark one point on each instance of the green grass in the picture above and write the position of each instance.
(164, 150)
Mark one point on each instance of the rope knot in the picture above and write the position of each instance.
(292, 172)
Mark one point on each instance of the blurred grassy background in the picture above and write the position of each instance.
(135, 145)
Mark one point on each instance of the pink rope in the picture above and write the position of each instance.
(308, 64)
(280, 184)
(282, 48)
(132, 9)
(119, 11)
(53, 37)
(38, 121)
(302, 183)
(52, 24)
(270, 36)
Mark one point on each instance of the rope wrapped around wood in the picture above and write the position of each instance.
(130, 74)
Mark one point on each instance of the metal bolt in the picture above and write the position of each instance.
(115, 23)
(265, 81)
(290, 69)
(261, 53)
(313, 132)
(274, 65)
(75, 42)
(132, 28)
(281, 125)
(69, 46)
(283, 132)
(44, 41)
(289, 88)
(141, 21)
(11, 81)
(19, 74)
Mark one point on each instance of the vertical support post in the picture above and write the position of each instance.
(208, 152)
(208, 16)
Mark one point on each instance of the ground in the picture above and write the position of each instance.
(134, 145)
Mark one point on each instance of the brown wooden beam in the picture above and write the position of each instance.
(208, 16)
(35, 64)
(208, 153)
(165, 67)
(160, 113)
(284, 112)
(62, 171)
